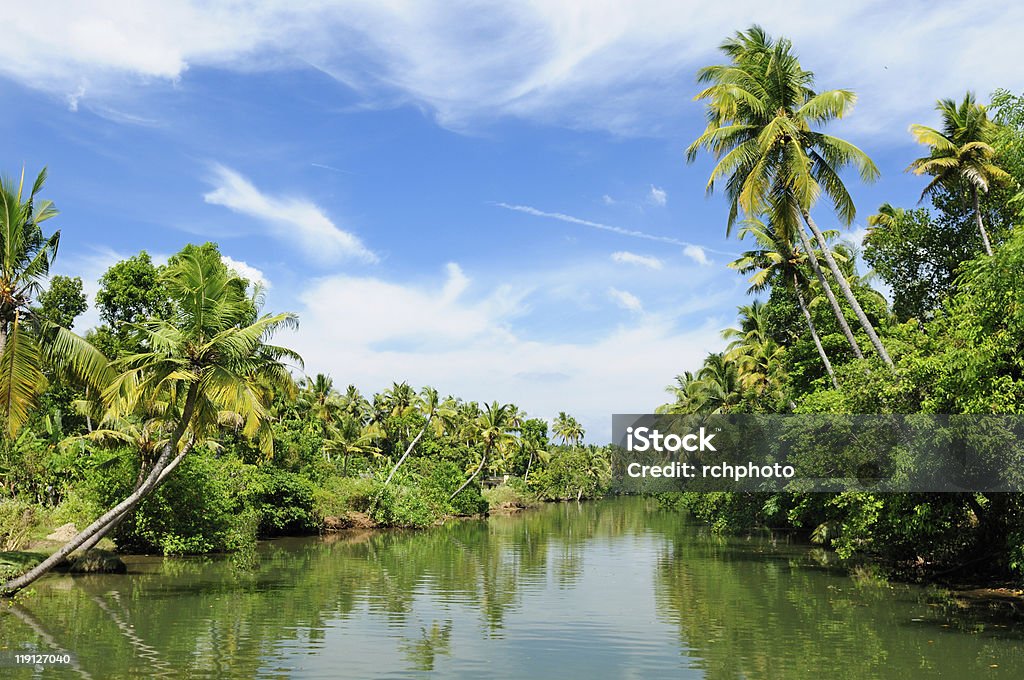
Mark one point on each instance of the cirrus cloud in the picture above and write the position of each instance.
(292, 220)
(626, 257)
(615, 66)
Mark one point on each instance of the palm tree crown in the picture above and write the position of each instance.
(210, 361)
(961, 153)
(28, 342)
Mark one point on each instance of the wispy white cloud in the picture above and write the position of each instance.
(625, 299)
(608, 200)
(626, 257)
(658, 196)
(615, 66)
(292, 220)
(246, 270)
(697, 254)
(450, 331)
(324, 166)
(562, 217)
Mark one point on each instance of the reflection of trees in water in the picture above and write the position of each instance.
(421, 652)
(751, 610)
(205, 618)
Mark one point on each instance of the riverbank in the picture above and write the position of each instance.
(41, 538)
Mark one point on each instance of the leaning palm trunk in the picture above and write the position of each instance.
(163, 466)
(814, 333)
(529, 463)
(483, 460)
(408, 450)
(112, 524)
(977, 218)
(830, 295)
(844, 286)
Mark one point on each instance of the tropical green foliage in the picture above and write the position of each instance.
(962, 155)
(956, 327)
(30, 343)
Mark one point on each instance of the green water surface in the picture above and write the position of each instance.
(615, 589)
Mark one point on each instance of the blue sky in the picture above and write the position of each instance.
(455, 193)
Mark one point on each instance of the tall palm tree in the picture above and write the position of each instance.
(961, 154)
(762, 117)
(350, 438)
(208, 365)
(430, 404)
(887, 217)
(568, 429)
(776, 260)
(720, 382)
(28, 342)
(494, 432)
(688, 393)
(318, 398)
(757, 356)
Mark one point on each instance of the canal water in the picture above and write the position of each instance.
(614, 589)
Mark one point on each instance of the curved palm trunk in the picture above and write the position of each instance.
(830, 295)
(529, 464)
(163, 466)
(483, 460)
(977, 218)
(844, 286)
(408, 450)
(814, 334)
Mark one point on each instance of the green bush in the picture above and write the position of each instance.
(283, 500)
(507, 495)
(439, 479)
(338, 495)
(191, 513)
(401, 506)
(17, 518)
(78, 507)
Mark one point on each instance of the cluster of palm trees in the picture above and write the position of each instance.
(749, 370)
(394, 422)
(389, 427)
(568, 429)
(207, 367)
(763, 128)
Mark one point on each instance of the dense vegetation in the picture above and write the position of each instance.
(182, 378)
(820, 339)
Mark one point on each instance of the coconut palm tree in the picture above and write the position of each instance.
(776, 260)
(318, 399)
(887, 217)
(568, 429)
(962, 155)
(206, 366)
(354, 405)
(762, 115)
(720, 383)
(757, 356)
(350, 438)
(494, 428)
(29, 342)
(430, 405)
(688, 395)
